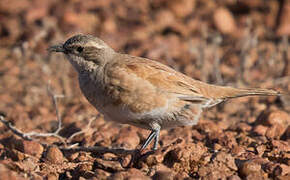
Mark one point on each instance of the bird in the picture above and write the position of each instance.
(142, 92)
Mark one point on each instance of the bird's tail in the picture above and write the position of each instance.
(256, 92)
(230, 92)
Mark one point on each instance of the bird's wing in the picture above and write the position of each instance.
(150, 77)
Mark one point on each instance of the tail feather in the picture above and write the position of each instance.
(255, 92)
(230, 92)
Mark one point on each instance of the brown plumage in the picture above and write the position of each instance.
(142, 92)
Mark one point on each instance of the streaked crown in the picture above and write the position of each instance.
(80, 41)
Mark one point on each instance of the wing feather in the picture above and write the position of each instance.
(163, 77)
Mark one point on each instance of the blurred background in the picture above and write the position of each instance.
(226, 42)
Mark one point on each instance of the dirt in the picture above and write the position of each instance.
(237, 43)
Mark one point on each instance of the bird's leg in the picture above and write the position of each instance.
(156, 139)
(153, 135)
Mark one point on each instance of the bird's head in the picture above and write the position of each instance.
(85, 52)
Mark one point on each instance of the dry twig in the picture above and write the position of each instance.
(30, 135)
(85, 129)
(101, 150)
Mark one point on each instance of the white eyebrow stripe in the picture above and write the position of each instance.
(97, 45)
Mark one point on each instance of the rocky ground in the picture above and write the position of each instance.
(226, 42)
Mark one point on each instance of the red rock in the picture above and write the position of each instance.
(286, 158)
(278, 117)
(270, 167)
(182, 8)
(260, 130)
(52, 176)
(163, 175)
(217, 147)
(86, 22)
(261, 149)
(115, 165)
(127, 138)
(110, 25)
(227, 159)
(238, 150)
(13, 6)
(284, 26)
(190, 151)
(102, 174)
(285, 177)
(72, 156)
(38, 11)
(27, 165)
(280, 145)
(227, 139)
(9, 174)
(285, 169)
(224, 21)
(54, 155)
(16, 155)
(287, 133)
(214, 172)
(250, 167)
(82, 156)
(275, 131)
(277, 171)
(253, 3)
(197, 135)
(1, 148)
(181, 176)
(164, 18)
(32, 148)
(277, 120)
(271, 18)
(244, 127)
(234, 177)
(13, 26)
(130, 174)
(220, 166)
(162, 167)
(256, 176)
(85, 167)
(154, 158)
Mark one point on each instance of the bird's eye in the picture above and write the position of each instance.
(80, 49)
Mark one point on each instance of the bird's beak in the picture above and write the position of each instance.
(56, 48)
